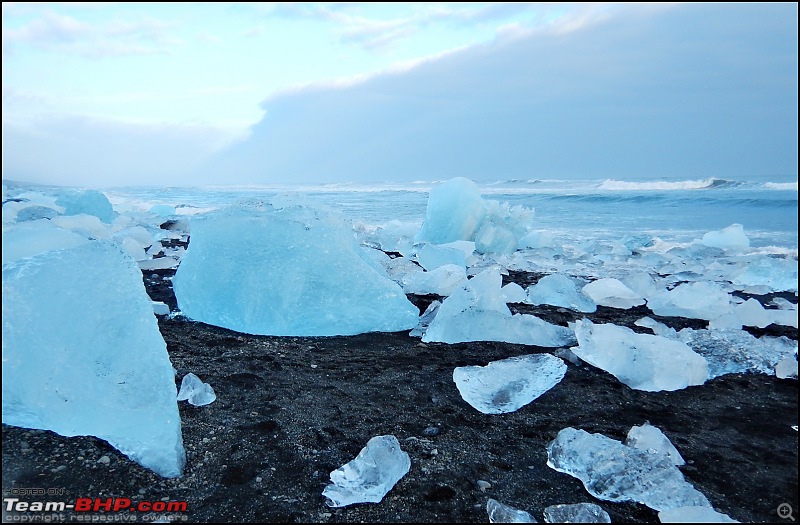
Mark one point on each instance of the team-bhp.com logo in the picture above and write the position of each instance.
(94, 505)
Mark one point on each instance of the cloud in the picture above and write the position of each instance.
(685, 91)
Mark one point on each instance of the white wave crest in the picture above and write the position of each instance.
(621, 185)
(787, 186)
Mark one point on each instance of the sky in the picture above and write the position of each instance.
(111, 94)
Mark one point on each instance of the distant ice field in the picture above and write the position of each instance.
(674, 211)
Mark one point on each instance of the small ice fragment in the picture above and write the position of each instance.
(786, 368)
(483, 485)
(651, 439)
(577, 513)
(500, 513)
(612, 471)
(509, 384)
(560, 290)
(694, 515)
(368, 477)
(160, 308)
(425, 319)
(611, 292)
(195, 391)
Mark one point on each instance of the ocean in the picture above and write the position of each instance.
(571, 211)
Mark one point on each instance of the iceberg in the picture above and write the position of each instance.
(576, 513)
(368, 477)
(560, 290)
(79, 345)
(731, 237)
(478, 312)
(455, 210)
(612, 471)
(290, 267)
(35, 237)
(509, 384)
(611, 292)
(502, 513)
(641, 361)
(90, 202)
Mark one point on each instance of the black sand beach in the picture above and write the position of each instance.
(289, 410)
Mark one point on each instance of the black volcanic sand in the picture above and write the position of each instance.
(289, 410)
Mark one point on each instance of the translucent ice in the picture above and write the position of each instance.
(291, 267)
(778, 274)
(737, 351)
(35, 212)
(651, 439)
(441, 281)
(509, 384)
(425, 319)
(786, 368)
(478, 312)
(455, 210)
(432, 256)
(611, 292)
(560, 290)
(576, 513)
(195, 391)
(612, 471)
(501, 513)
(641, 361)
(90, 202)
(700, 300)
(79, 345)
(731, 237)
(694, 515)
(368, 477)
(35, 237)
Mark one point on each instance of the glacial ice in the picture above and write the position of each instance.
(691, 514)
(576, 513)
(731, 237)
(36, 212)
(194, 390)
(652, 439)
(700, 300)
(641, 361)
(101, 353)
(432, 256)
(509, 384)
(90, 202)
(455, 210)
(611, 292)
(502, 513)
(478, 312)
(35, 237)
(560, 290)
(368, 477)
(737, 351)
(441, 281)
(290, 267)
(779, 274)
(612, 471)
(786, 368)
(425, 319)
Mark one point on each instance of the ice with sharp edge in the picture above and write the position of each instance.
(652, 439)
(576, 513)
(502, 513)
(507, 385)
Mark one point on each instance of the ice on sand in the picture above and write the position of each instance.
(502, 513)
(82, 354)
(478, 312)
(641, 361)
(368, 477)
(195, 391)
(611, 292)
(291, 267)
(612, 471)
(443, 280)
(509, 384)
(700, 300)
(576, 513)
(694, 515)
(651, 439)
(560, 290)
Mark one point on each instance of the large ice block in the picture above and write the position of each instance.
(82, 354)
(290, 267)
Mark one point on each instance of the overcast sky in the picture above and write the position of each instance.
(118, 94)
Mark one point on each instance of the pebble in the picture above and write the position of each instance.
(258, 479)
(431, 431)
(104, 460)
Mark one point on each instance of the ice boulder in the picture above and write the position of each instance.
(36, 212)
(651, 439)
(478, 312)
(455, 210)
(35, 237)
(82, 354)
(90, 202)
(777, 273)
(559, 290)
(368, 477)
(289, 267)
(576, 513)
(641, 361)
(502, 513)
(509, 384)
(700, 300)
(612, 471)
(432, 256)
(441, 281)
(731, 237)
(611, 292)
